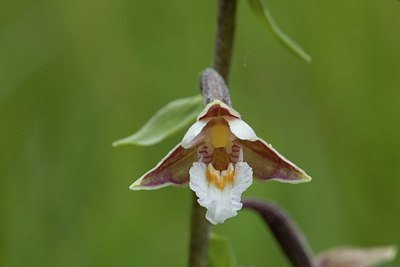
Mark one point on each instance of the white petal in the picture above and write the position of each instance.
(243, 179)
(194, 131)
(198, 180)
(220, 210)
(241, 129)
(220, 204)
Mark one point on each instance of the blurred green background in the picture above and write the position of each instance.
(77, 75)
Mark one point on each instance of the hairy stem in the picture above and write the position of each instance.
(224, 37)
(213, 87)
(198, 236)
(289, 238)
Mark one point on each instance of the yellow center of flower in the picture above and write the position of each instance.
(220, 179)
(219, 135)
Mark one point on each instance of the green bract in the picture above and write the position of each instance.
(220, 253)
(168, 120)
(263, 13)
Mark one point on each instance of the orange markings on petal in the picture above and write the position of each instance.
(220, 179)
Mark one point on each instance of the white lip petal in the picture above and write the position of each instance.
(243, 179)
(241, 129)
(198, 180)
(224, 203)
(194, 131)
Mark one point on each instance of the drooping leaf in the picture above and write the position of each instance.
(168, 120)
(263, 13)
(220, 253)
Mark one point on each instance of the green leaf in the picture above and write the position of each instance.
(168, 120)
(220, 253)
(263, 13)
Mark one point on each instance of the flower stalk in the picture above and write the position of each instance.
(198, 247)
(212, 89)
(224, 37)
(289, 238)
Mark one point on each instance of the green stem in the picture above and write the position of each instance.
(199, 234)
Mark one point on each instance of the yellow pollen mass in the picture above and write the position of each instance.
(220, 180)
(219, 135)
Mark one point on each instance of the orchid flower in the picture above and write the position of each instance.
(218, 157)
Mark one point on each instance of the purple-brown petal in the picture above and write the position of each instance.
(218, 109)
(268, 164)
(173, 169)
